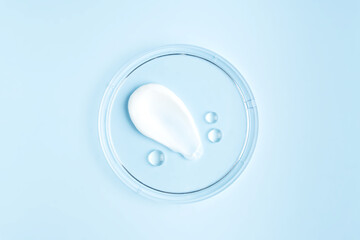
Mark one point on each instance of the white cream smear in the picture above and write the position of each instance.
(162, 116)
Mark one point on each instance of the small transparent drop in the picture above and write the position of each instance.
(211, 117)
(156, 158)
(214, 135)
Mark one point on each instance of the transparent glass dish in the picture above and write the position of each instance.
(206, 83)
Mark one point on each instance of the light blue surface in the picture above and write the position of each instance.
(301, 61)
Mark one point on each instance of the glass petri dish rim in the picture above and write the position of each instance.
(105, 128)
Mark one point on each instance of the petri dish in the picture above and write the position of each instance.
(206, 83)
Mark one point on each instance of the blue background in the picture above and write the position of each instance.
(301, 60)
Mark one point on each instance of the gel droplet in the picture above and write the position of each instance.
(214, 135)
(211, 117)
(156, 158)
